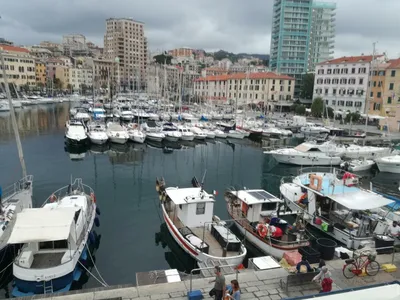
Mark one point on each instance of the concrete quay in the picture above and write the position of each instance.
(261, 285)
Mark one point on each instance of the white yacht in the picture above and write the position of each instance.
(366, 152)
(236, 134)
(306, 154)
(187, 135)
(137, 135)
(357, 165)
(97, 133)
(188, 213)
(171, 132)
(210, 133)
(199, 134)
(56, 241)
(81, 114)
(389, 164)
(313, 129)
(75, 132)
(124, 112)
(220, 134)
(337, 206)
(116, 133)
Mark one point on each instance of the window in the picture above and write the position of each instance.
(200, 208)
(361, 81)
(393, 73)
(377, 106)
(358, 104)
(374, 83)
(353, 70)
(268, 206)
(62, 244)
(391, 86)
(329, 71)
(389, 100)
(334, 91)
(371, 94)
(333, 102)
(326, 91)
(379, 94)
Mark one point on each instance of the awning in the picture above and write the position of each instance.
(360, 200)
(42, 225)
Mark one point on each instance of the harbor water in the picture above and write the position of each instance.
(123, 177)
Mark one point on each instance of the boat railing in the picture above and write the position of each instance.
(24, 183)
(74, 188)
(316, 169)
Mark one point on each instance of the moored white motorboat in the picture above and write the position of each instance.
(220, 134)
(155, 136)
(171, 132)
(75, 132)
(136, 135)
(116, 133)
(56, 241)
(210, 133)
(271, 234)
(187, 135)
(82, 114)
(389, 164)
(97, 133)
(199, 134)
(235, 134)
(188, 214)
(357, 165)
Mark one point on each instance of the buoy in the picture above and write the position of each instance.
(98, 210)
(262, 230)
(97, 222)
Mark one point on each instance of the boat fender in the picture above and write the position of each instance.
(53, 198)
(97, 222)
(262, 230)
(93, 197)
(98, 211)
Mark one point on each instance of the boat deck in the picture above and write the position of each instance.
(46, 260)
(215, 249)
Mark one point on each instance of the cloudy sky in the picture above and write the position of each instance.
(233, 25)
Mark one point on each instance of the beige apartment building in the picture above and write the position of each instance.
(125, 39)
(277, 89)
(103, 71)
(19, 64)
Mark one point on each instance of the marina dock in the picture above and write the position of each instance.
(261, 285)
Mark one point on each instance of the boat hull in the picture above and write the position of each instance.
(171, 138)
(200, 137)
(98, 141)
(388, 167)
(154, 138)
(187, 138)
(73, 141)
(118, 140)
(306, 160)
(194, 252)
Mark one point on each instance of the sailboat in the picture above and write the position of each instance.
(15, 197)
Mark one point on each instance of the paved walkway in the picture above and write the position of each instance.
(261, 285)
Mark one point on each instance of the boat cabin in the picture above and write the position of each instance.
(193, 206)
(257, 204)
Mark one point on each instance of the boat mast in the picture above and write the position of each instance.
(13, 119)
(371, 73)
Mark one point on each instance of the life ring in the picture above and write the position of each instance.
(53, 198)
(346, 176)
(262, 230)
(93, 197)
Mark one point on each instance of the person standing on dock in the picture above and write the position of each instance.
(220, 285)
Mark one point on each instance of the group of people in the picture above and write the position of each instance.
(323, 277)
(220, 290)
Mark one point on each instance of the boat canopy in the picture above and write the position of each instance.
(188, 195)
(305, 147)
(42, 225)
(360, 200)
(251, 197)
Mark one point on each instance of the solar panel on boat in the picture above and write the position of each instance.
(260, 195)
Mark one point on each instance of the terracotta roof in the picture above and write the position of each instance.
(349, 59)
(13, 48)
(394, 64)
(236, 76)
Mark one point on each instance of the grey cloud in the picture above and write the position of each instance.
(233, 25)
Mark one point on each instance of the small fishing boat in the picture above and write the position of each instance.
(257, 216)
(188, 213)
(357, 165)
(56, 239)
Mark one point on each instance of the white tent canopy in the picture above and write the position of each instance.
(42, 225)
(360, 200)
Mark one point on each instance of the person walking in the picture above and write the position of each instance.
(219, 285)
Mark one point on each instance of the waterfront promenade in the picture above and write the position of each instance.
(261, 285)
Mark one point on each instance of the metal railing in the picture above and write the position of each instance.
(22, 184)
(211, 268)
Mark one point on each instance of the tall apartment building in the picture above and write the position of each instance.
(302, 35)
(125, 39)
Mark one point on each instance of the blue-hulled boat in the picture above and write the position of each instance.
(56, 241)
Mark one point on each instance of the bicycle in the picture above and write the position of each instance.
(356, 265)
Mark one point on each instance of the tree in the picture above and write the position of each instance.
(307, 86)
(57, 83)
(353, 117)
(331, 113)
(317, 107)
(69, 87)
(300, 110)
(163, 59)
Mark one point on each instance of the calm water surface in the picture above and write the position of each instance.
(123, 177)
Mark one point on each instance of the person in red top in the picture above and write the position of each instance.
(325, 278)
